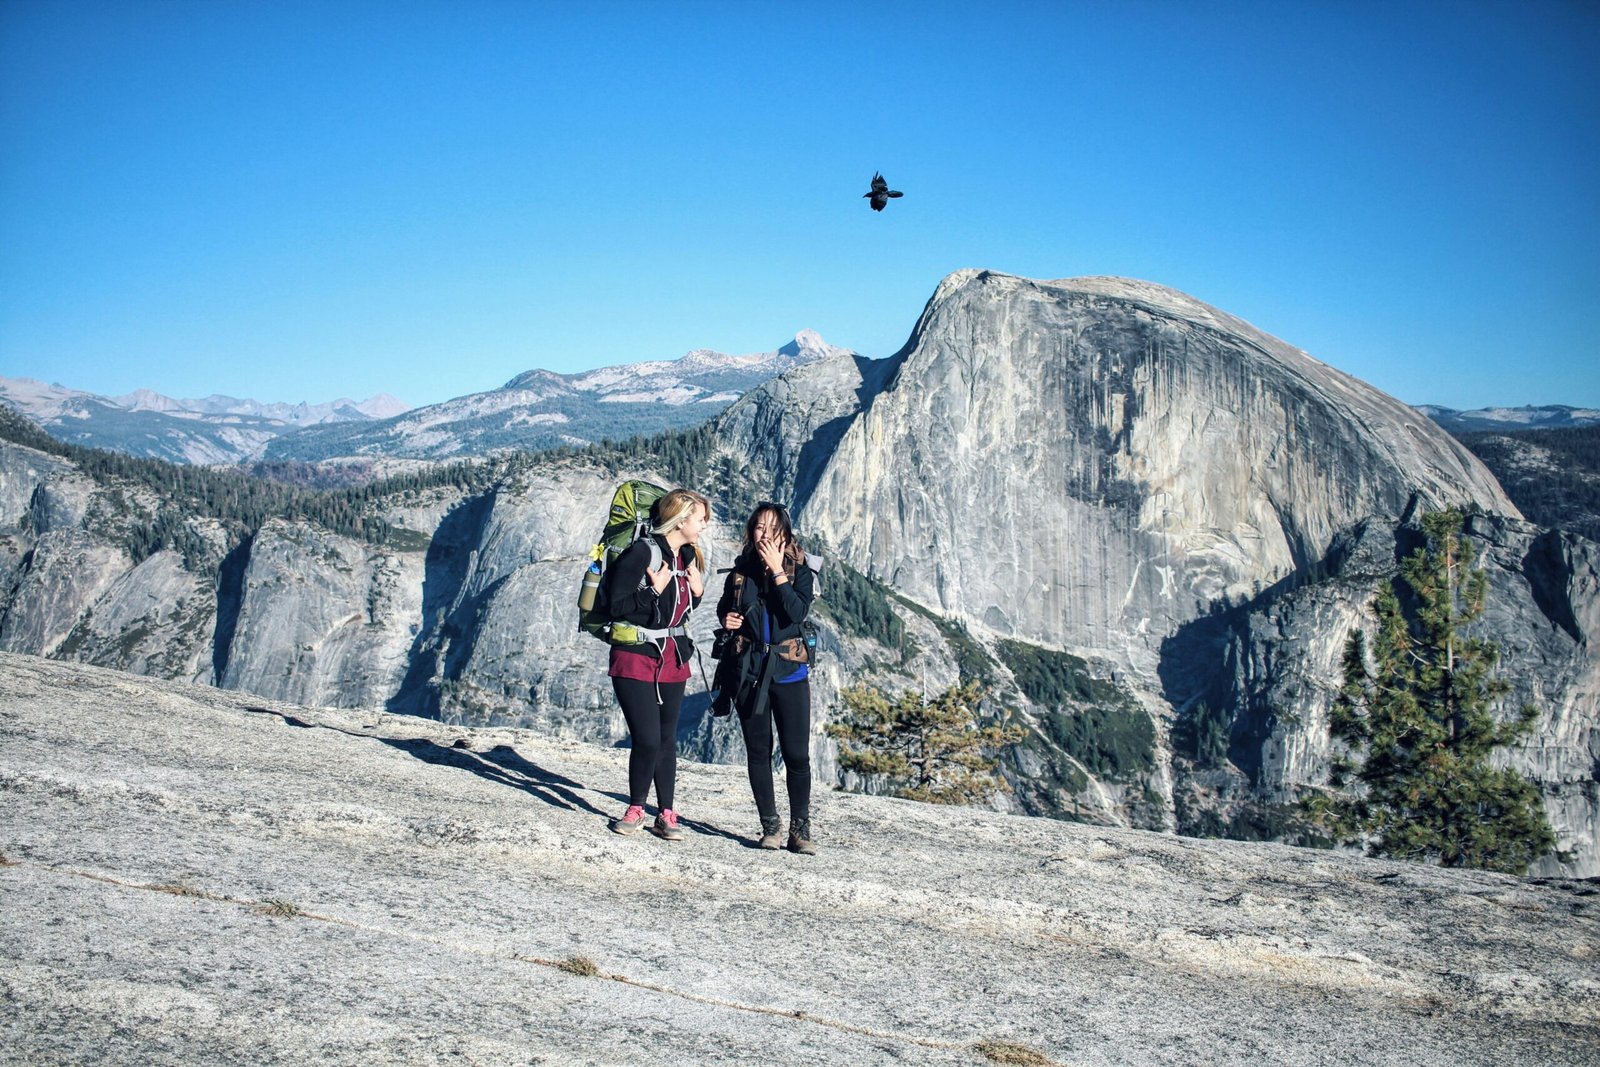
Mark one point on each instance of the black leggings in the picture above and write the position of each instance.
(790, 705)
(654, 728)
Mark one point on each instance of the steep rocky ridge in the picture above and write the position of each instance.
(70, 586)
(193, 875)
(323, 619)
(467, 614)
(1113, 469)
(780, 434)
(1280, 658)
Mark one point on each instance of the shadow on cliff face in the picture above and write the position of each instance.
(439, 630)
(1549, 571)
(1195, 670)
(230, 598)
(1208, 662)
(815, 453)
(696, 708)
(1217, 662)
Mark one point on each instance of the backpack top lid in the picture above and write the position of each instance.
(630, 515)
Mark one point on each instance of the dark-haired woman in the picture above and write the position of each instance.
(765, 598)
(650, 650)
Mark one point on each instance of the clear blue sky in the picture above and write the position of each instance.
(298, 201)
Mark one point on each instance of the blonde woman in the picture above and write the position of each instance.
(650, 650)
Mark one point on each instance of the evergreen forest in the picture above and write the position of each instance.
(1553, 476)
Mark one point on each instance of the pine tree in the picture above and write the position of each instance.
(1416, 714)
(936, 750)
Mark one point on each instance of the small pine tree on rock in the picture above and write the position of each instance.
(935, 750)
(1416, 716)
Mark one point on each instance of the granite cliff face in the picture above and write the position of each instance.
(1094, 462)
(467, 616)
(1116, 471)
(70, 588)
(321, 619)
(1281, 666)
(1095, 483)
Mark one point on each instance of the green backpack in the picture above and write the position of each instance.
(630, 519)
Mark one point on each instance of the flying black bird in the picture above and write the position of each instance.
(881, 192)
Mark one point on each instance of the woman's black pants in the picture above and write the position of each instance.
(790, 706)
(653, 726)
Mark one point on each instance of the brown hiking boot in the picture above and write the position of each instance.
(800, 842)
(770, 837)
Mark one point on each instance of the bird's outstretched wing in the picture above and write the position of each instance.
(878, 184)
(878, 200)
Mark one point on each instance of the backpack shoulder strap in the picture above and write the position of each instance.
(812, 561)
(655, 560)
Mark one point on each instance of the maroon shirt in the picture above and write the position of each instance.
(637, 665)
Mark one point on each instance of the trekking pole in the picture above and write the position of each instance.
(705, 679)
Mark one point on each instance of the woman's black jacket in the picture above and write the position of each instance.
(786, 603)
(630, 597)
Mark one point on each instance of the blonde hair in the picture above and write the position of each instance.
(672, 509)
(677, 506)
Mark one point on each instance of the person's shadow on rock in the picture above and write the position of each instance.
(501, 765)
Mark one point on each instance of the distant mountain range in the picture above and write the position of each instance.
(1528, 417)
(537, 409)
(213, 430)
(541, 409)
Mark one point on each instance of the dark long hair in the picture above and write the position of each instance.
(791, 547)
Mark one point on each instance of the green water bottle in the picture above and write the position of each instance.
(591, 585)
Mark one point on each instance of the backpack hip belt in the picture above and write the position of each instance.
(625, 633)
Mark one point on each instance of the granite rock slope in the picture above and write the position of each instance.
(468, 616)
(195, 875)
